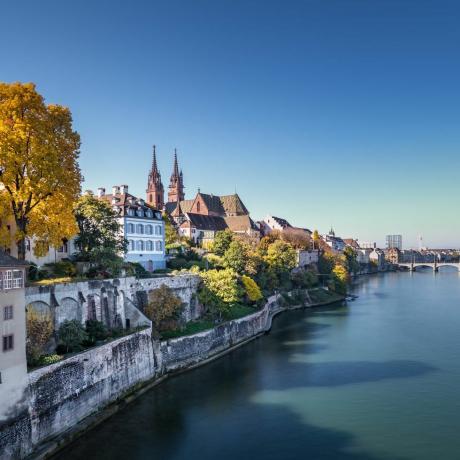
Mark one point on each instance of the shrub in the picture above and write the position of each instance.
(95, 331)
(222, 242)
(251, 288)
(49, 359)
(72, 335)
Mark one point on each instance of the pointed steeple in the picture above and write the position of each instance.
(155, 190)
(154, 160)
(176, 184)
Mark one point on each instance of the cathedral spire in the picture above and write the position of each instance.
(176, 183)
(155, 190)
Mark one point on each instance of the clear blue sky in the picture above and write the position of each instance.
(322, 112)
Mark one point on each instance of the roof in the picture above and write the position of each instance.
(202, 222)
(280, 221)
(185, 206)
(240, 223)
(126, 201)
(8, 261)
(351, 242)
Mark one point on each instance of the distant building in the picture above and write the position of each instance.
(334, 242)
(394, 241)
(367, 244)
(378, 257)
(393, 255)
(141, 224)
(306, 258)
(13, 365)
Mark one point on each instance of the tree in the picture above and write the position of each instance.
(281, 256)
(236, 256)
(267, 240)
(352, 263)
(297, 238)
(251, 288)
(39, 173)
(39, 331)
(72, 335)
(100, 233)
(340, 278)
(315, 238)
(219, 291)
(222, 241)
(163, 307)
(171, 236)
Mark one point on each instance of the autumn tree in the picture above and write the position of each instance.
(39, 173)
(252, 290)
(297, 238)
(99, 232)
(171, 235)
(39, 328)
(163, 307)
(281, 256)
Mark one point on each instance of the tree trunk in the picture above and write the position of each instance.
(21, 224)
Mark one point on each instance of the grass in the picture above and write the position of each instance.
(240, 310)
(321, 295)
(192, 327)
(50, 281)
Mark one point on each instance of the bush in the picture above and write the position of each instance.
(49, 359)
(72, 335)
(96, 331)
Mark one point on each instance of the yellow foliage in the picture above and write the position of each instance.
(39, 173)
(252, 289)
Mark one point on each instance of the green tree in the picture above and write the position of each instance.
(100, 234)
(236, 256)
(163, 308)
(72, 335)
(281, 256)
(219, 291)
(96, 330)
(222, 242)
(351, 260)
(171, 235)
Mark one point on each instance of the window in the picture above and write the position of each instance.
(8, 312)
(150, 199)
(148, 229)
(198, 207)
(158, 230)
(158, 246)
(8, 342)
(149, 246)
(130, 228)
(140, 229)
(140, 213)
(27, 245)
(130, 212)
(131, 245)
(140, 245)
(149, 213)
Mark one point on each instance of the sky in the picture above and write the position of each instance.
(340, 113)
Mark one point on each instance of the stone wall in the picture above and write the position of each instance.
(110, 301)
(59, 396)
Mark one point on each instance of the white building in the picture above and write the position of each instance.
(141, 224)
(306, 258)
(378, 257)
(13, 365)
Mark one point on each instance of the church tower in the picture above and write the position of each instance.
(155, 190)
(176, 183)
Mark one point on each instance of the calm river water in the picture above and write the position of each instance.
(378, 378)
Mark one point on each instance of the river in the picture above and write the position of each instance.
(378, 378)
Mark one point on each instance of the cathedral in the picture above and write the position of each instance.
(201, 217)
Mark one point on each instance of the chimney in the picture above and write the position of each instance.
(123, 189)
(100, 192)
(115, 190)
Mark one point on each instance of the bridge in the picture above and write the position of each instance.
(412, 266)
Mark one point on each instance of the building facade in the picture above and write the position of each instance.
(393, 241)
(13, 364)
(141, 224)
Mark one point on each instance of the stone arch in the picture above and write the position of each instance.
(40, 307)
(68, 309)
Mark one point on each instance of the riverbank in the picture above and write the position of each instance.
(85, 390)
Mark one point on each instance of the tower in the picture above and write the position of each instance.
(176, 183)
(155, 190)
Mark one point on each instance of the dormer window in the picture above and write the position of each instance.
(140, 212)
(149, 213)
(130, 212)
